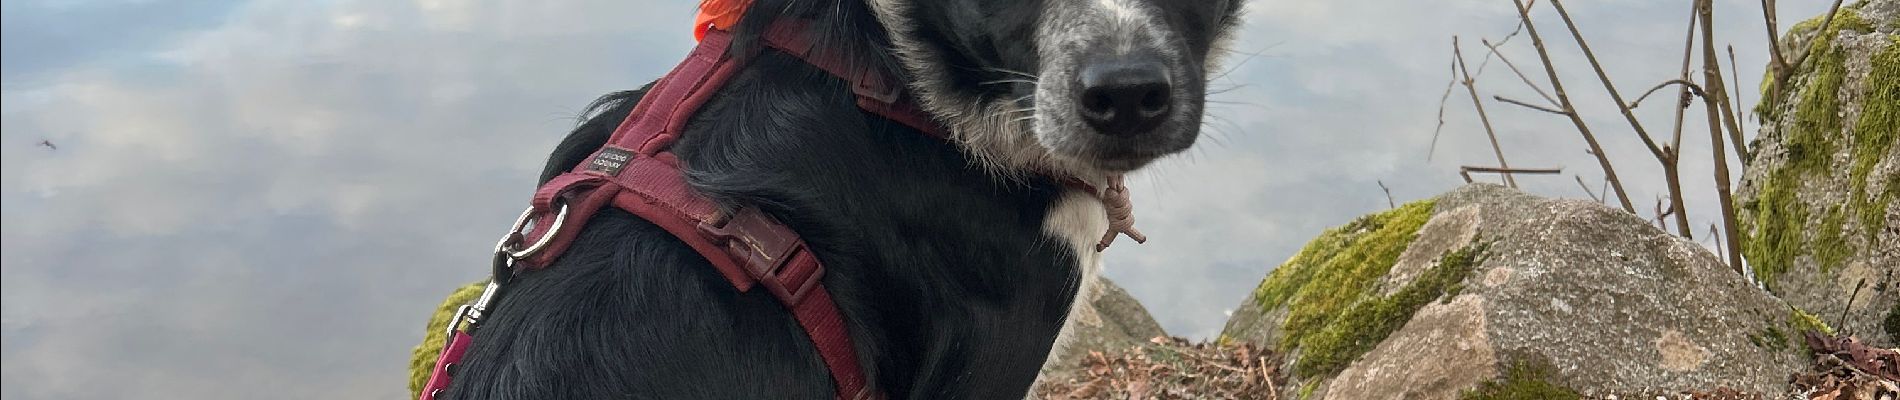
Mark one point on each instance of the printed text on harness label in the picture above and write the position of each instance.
(610, 161)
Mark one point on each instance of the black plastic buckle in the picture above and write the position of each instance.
(767, 249)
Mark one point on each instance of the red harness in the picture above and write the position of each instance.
(636, 171)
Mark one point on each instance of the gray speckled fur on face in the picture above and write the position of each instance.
(1043, 132)
(1082, 29)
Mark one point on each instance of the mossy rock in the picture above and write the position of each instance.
(1492, 279)
(1816, 202)
(422, 359)
(1522, 382)
(1302, 302)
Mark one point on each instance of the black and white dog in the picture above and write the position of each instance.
(955, 262)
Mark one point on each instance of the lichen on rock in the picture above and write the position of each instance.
(1816, 201)
(1332, 271)
(1366, 323)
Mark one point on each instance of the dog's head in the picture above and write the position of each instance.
(1078, 87)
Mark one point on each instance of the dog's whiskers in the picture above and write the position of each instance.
(1007, 81)
(1013, 72)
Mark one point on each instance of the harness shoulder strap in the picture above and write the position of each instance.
(637, 172)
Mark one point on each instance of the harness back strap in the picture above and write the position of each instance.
(637, 172)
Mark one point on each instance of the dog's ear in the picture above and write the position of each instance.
(603, 115)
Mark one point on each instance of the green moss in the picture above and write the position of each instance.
(1879, 119)
(1830, 249)
(1874, 138)
(1809, 140)
(1778, 236)
(1306, 391)
(422, 359)
(1803, 322)
(1337, 268)
(1366, 323)
(1847, 19)
(1522, 382)
(1770, 338)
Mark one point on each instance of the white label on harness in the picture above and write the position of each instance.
(610, 161)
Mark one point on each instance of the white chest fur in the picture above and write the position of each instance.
(1078, 220)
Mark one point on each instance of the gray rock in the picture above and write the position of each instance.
(1606, 302)
(1111, 320)
(1817, 202)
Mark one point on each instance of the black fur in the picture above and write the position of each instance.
(949, 285)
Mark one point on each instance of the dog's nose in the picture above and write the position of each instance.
(1125, 96)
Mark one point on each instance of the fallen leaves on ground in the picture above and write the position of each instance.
(1846, 369)
(1173, 368)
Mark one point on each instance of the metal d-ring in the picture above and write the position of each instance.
(514, 237)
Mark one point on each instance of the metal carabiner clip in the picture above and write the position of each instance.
(471, 313)
(506, 254)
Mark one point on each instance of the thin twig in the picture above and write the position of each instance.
(1672, 167)
(1466, 171)
(1775, 59)
(1521, 103)
(1507, 39)
(1520, 73)
(1782, 75)
(1735, 140)
(1605, 78)
(1586, 189)
(1388, 195)
(1556, 85)
(1842, 321)
(1442, 100)
(1496, 170)
(1661, 222)
(1691, 87)
(1712, 74)
(1716, 233)
(1472, 87)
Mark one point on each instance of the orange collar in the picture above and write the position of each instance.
(721, 14)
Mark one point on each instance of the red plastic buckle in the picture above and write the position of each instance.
(768, 249)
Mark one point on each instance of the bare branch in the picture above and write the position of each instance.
(1472, 87)
(1690, 87)
(1556, 85)
(1842, 321)
(1466, 171)
(1782, 75)
(1661, 215)
(1712, 73)
(1496, 170)
(1736, 83)
(1672, 166)
(1442, 100)
(1520, 73)
(1775, 58)
(1586, 189)
(1776, 62)
(1529, 105)
(1607, 84)
(1388, 195)
(1507, 39)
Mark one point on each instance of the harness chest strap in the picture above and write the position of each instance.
(636, 172)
